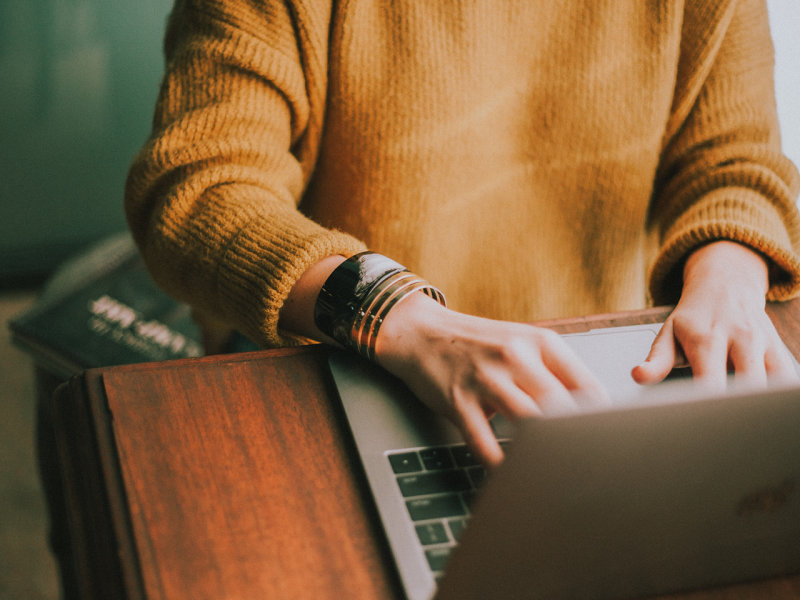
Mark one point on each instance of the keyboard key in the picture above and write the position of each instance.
(432, 533)
(433, 482)
(436, 459)
(464, 456)
(436, 507)
(437, 558)
(457, 527)
(406, 462)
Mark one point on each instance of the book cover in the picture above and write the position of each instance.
(102, 308)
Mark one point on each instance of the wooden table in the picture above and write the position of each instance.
(234, 477)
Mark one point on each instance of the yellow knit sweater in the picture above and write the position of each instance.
(533, 159)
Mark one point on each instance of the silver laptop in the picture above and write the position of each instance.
(667, 490)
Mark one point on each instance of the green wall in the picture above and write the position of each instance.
(79, 81)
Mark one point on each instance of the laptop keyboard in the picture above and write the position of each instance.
(438, 485)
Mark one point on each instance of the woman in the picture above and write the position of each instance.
(530, 159)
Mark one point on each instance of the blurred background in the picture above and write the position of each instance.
(79, 79)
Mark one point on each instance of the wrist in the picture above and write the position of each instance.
(731, 261)
(297, 313)
(410, 325)
(359, 295)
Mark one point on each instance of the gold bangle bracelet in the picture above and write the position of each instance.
(365, 316)
(391, 301)
(364, 336)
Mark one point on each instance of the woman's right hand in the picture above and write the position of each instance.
(469, 368)
(464, 367)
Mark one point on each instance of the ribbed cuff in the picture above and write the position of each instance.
(735, 214)
(262, 264)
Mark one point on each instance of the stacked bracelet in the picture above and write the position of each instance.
(359, 294)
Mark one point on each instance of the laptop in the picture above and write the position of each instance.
(669, 489)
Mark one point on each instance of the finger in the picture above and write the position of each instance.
(478, 433)
(546, 390)
(708, 357)
(534, 391)
(560, 403)
(748, 361)
(780, 364)
(663, 357)
(545, 372)
(498, 392)
(573, 375)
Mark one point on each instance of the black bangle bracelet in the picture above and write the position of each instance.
(359, 294)
(345, 290)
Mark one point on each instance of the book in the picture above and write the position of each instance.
(102, 308)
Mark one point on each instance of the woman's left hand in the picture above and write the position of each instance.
(720, 322)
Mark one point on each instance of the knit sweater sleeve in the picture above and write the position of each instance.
(723, 175)
(212, 197)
